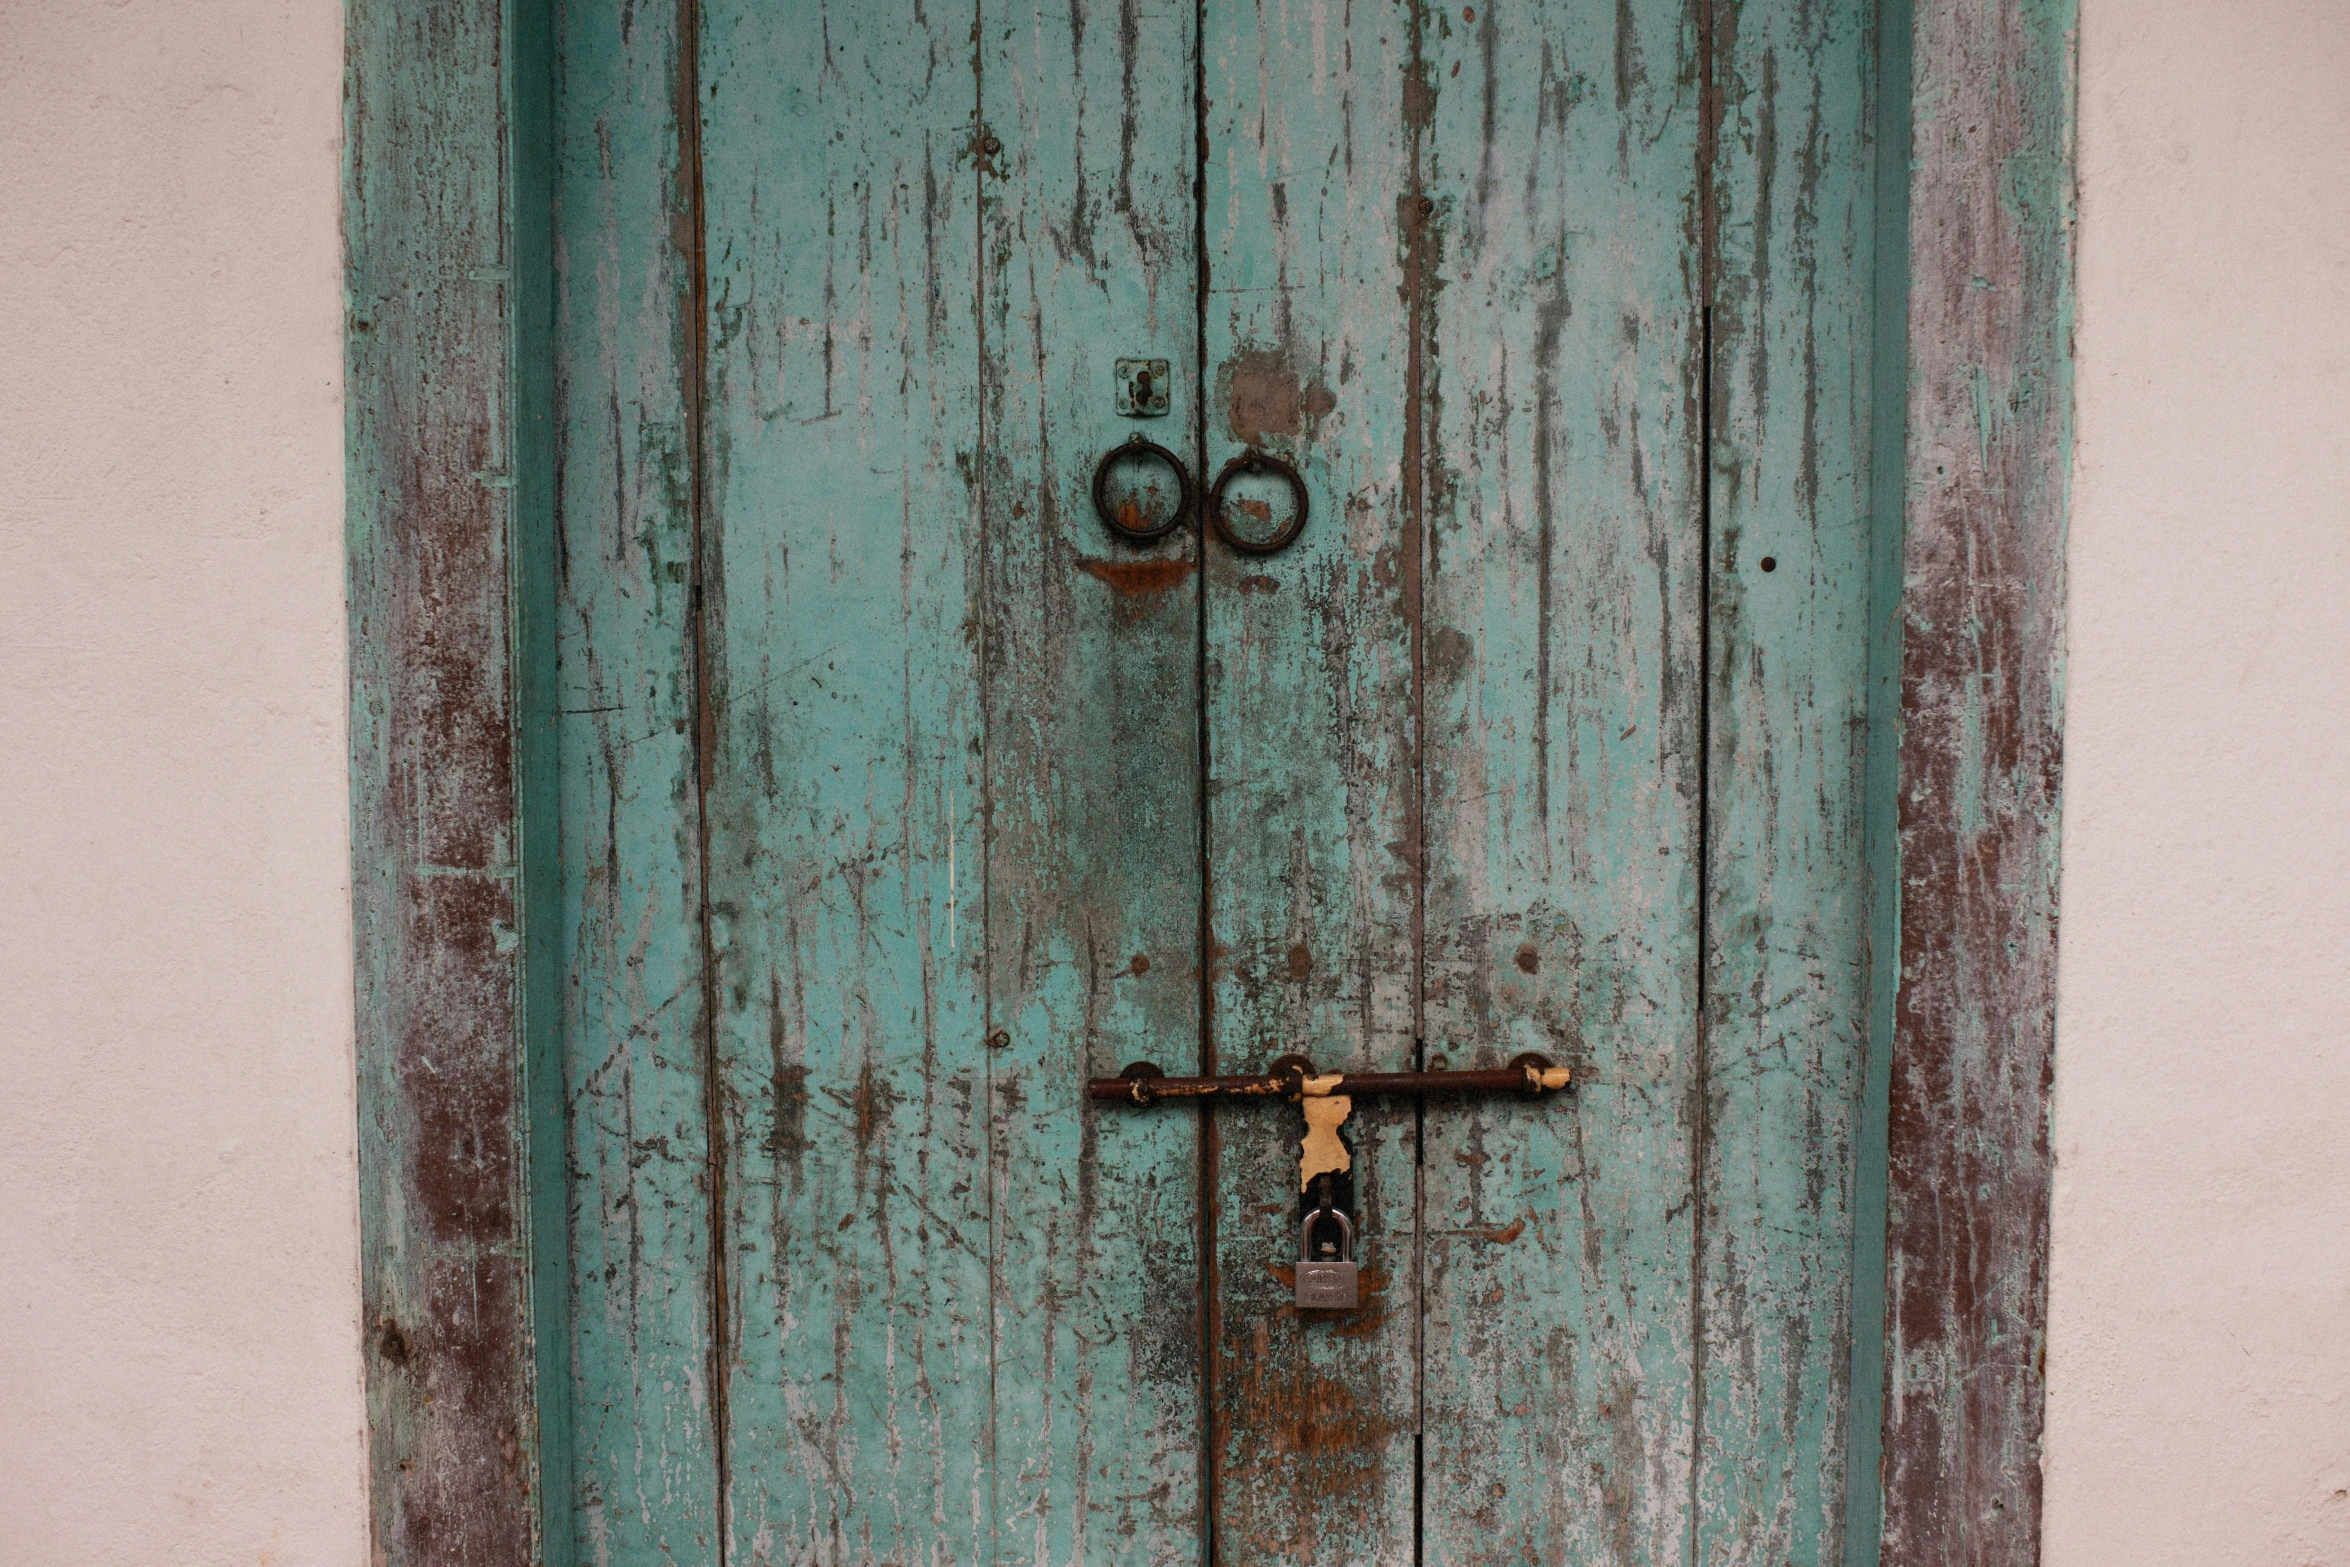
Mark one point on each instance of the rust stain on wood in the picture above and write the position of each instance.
(1294, 1430)
(1299, 1414)
(1137, 577)
(1300, 1431)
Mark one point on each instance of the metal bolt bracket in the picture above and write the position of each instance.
(1293, 1078)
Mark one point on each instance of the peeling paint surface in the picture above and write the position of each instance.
(446, 1272)
(900, 797)
(1982, 688)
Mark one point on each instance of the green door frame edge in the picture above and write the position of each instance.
(450, 525)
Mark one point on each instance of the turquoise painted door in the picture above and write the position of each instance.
(900, 795)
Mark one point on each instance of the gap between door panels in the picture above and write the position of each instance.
(688, 101)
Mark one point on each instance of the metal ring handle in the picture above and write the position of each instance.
(1137, 446)
(1254, 461)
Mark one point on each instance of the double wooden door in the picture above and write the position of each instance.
(900, 795)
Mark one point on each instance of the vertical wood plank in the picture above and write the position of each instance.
(644, 1452)
(1989, 443)
(444, 1170)
(1093, 912)
(842, 723)
(1563, 621)
(1787, 878)
(1888, 399)
(1311, 834)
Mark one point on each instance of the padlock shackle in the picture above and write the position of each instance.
(1346, 1235)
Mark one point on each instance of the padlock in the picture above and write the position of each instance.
(1323, 1285)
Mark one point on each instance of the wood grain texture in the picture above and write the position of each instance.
(1565, 616)
(644, 1452)
(446, 1260)
(1311, 833)
(843, 724)
(1089, 249)
(1787, 881)
(1989, 444)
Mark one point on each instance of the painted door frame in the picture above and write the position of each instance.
(449, 332)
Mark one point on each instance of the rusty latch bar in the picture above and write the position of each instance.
(1293, 1078)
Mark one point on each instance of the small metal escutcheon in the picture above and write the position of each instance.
(1143, 386)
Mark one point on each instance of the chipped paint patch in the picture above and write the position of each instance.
(1323, 1151)
(1264, 394)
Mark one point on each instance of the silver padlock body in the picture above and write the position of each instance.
(1327, 1286)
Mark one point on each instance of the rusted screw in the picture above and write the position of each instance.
(990, 146)
(1427, 205)
(1001, 1039)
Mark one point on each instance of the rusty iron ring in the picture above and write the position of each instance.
(1254, 461)
(1137, 446)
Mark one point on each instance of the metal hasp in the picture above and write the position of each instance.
(1326, 1282)
(1143, 1083)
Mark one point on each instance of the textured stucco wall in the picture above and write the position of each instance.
(179, 1376)
(2199, 1347)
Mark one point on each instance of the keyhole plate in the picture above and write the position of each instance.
(1142, 388)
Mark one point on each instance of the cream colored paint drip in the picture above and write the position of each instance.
(1323, 1153)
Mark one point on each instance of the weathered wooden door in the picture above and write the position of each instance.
(899, 795)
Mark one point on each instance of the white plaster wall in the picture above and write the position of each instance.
(2199, 1349)
(179, 1372)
